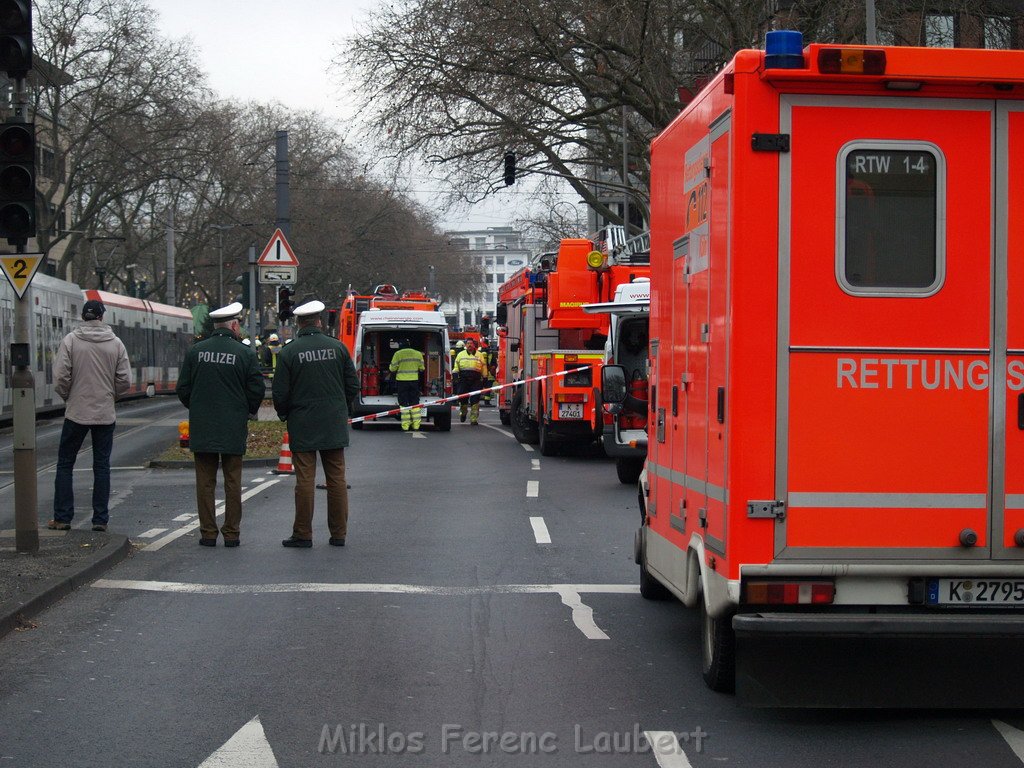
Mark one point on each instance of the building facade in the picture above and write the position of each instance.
(491, 256)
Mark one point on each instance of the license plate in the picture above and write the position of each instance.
(570, 410)
(976, 591)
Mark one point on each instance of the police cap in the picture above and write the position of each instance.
(230, 312)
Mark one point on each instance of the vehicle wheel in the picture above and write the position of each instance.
(548, 445)
(718, 651)
(628, 469)
(505, 417)
(523, 427)
(443, 422)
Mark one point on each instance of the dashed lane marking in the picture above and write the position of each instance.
(165, 540)
(151, 533)
(532, 489)
(186, 517)
(666, 749)
(535, 464)
(527, 447)
(540, 530)
(570, 594)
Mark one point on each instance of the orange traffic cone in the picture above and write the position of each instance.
(284, 461)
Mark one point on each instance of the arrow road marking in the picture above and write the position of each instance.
(248, 748)
(1014, 737)
(667, 751)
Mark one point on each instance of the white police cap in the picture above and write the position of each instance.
(247, 342)
(314, 307)
(230, 312)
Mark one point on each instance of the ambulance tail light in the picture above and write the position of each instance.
(789, 592)
(570, 397)
(851, 61)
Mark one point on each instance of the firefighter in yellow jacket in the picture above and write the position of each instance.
(470, 367)
(407, 365)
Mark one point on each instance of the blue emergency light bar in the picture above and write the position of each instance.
(784, 49)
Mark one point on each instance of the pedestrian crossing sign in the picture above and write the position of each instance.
(19, 269)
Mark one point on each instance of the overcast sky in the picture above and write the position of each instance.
(254, 50)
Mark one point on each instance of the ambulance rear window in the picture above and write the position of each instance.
(890, 241)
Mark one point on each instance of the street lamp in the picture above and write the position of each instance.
(101, 269)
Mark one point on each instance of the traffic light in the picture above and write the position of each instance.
(284, 303)
(510, 168)
(16, 37)
(244, 298)
(17, 182)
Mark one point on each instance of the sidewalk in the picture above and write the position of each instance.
(66, 560)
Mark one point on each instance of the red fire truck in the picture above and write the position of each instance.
(547, 332)
(836, 458)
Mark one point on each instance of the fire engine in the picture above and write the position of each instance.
(624, 436)
(547, 332)
(380, 322)
(836, 457)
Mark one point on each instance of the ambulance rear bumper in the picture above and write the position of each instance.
(947, 659)
(945, 624)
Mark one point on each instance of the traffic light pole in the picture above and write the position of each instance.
(254, 300)
(23, 386)
(26, 516)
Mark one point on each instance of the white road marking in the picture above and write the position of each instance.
(165, 540)
(151, 533)
(666, 749)
(540, 530)
(112, 469)
(527, 447)
(258, 479)
(1014, 737)
(532, 489)
(582, 614)
(183, 518)
(505, 432)
(419, 435)
(248, 748)
(535, 464)
(570, 594)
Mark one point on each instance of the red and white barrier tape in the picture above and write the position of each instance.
(455, 398)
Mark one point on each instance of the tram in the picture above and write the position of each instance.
(155, 335)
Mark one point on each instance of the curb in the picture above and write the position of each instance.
(56, 588)
(183, 464)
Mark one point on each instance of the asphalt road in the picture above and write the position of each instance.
(447, 632)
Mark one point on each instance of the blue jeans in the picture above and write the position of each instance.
(71, 439)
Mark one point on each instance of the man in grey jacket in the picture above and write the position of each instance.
(90, 373)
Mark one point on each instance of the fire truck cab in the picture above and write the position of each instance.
(836, 458)
(625, 436)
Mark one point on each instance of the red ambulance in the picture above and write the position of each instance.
(836, 418)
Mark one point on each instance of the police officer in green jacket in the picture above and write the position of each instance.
(407, 365)
(314, 384)
(221, 385)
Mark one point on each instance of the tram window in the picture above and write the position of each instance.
(890, 239)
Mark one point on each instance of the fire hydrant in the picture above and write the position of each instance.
(183, 434)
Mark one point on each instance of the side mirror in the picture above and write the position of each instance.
(502, 314)
(485, 327)
(613, 385)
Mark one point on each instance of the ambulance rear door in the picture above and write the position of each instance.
(891, 343)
